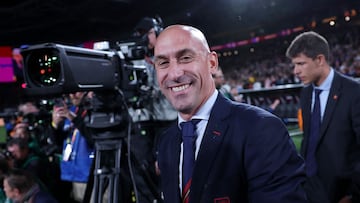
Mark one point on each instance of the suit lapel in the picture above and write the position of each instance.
(214, 134)
(334, 94)
(306, 111)
(173, 167)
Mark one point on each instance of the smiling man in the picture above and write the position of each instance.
(242, 153)
(183, 71)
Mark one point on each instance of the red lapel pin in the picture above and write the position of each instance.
(216, 133)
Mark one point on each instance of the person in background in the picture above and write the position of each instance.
(21, 130)
(242, 153)
(23, 157)
(33, 124)
(20, 187)
(27, 108)
(157, 109)
(4, 168)
(18, 65)
(220, 84)
(77, 143)
(331, 144)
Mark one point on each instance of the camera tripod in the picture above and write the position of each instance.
(107, 174)
(119, 175)
(114, 179)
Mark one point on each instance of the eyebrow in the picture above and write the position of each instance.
(184, 51)
(177, 54)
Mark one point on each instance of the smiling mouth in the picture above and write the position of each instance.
(180, 88)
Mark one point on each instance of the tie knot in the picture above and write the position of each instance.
(318, 92)
(188, 127)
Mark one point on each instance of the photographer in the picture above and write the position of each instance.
(33, 124)
(78, 149)
(22, 157)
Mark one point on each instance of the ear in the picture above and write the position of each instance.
(213, 62)
(16, 192)
(321, 60)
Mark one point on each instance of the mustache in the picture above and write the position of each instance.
(184, 79)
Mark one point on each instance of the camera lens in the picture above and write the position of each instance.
(45, 68)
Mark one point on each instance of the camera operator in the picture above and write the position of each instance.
(78, 146)
(22, 157)
(157, 109)
(28, 107)
(21, 130)
(151, 118)
(33, 123)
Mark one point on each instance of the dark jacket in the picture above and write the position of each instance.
(338, 149)
(246, 155)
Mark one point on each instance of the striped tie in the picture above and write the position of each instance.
(188, 136)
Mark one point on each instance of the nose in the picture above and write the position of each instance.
(296, 70)
(175, 70)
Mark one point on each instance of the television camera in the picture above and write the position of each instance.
(51, 70)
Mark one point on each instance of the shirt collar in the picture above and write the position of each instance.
(326, 85)
(204, 112)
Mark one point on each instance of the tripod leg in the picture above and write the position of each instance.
(106, 175)
(89, 185)
(115, 176)
(97, 176)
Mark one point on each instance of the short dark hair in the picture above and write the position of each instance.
(21, 142)
(20, 179)
(145, 25)
(311, 44)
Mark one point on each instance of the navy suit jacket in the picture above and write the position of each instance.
(338, 149)
(246, 155)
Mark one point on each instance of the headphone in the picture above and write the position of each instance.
(147, 23)
(144, 26)
(158, 25)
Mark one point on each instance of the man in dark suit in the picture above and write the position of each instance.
(243, 153)
(332, 155)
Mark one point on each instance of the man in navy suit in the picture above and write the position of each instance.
(243, 154)
(332, 155)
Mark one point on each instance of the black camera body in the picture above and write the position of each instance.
(51, 70)
(54, 69)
